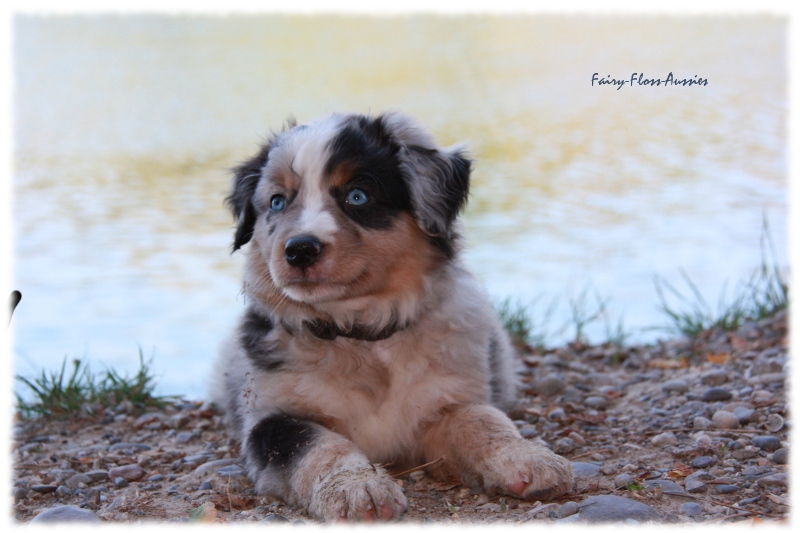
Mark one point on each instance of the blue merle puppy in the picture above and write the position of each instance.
(366, 341)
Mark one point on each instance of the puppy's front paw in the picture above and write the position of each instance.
(524, 469)
(361, 495)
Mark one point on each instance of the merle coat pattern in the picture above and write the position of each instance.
(365, 341)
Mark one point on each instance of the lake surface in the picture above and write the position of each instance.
(125, 126)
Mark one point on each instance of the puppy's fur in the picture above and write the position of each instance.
(365, 340)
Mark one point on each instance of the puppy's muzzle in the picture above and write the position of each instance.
(302, 251)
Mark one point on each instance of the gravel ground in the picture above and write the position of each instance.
(683, 431)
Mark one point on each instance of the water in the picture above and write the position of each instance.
(124, 127)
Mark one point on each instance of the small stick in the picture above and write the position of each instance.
(420, 467)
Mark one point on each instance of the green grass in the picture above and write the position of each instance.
(57, 394)
(765, 293)
(518, 320)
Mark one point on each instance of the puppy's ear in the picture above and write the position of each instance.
(439, 187)
(438, 179)
(240, 201)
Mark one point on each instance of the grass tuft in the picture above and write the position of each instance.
(57, 394)
(763, 295)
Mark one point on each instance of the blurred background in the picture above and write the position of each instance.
(125, 126)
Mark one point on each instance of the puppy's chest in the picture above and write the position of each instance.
(371, 392)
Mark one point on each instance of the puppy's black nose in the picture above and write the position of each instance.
(302, 251)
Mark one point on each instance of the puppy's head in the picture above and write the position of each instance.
(348, 207)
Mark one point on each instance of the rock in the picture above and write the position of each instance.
(744, 414)
(563, 446)
(585, 469)
(184, 436)
(714, 377)
(65, 513)
(205, 485)
(781, 456)
(148, 418)
(211, 466)
(726, 489)
(232, 470)
(667, 438)
(97, 475)
(74, 481)
(703, 461)
(767, 443)
(127, 472)
(557, 413)
(568, 509)
(766, 379)
(775, 480)
(691, 509)
(701, 422)
(43, 489)
(694, 486)
(675, 385)
(666, 485)
(622, 480)
(549, 385)
(128, 446)
(774, 422)
(120, 482)
(725, 420)
(610, 508)
(63, 491)
(596, 402)
(715, 394)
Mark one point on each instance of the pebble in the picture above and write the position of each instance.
(205, 485)
(75, 481)
(127, 472)
(581, 469)
(675, 385)
(781, 456)
(714, 377)
(691, 509)
(120, 482)
(768, 443)
(549, 385)
(716, 394)
(701, 422)
(744, 414)
(694, 486)
(667, 438)
(726, 489)
(703, 461)
(595, 402)
(128, 446)
(44, 489)
(610, 508)
(622, 480)
(775, 480)
(65, 513)
(563, 446)
(184, 436)
(568, 509)
(725, 420)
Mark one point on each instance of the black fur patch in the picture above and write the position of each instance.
(281, 439)
(240, 201)
(252, 336)
(370, 154)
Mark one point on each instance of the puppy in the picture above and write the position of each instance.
(366, 342)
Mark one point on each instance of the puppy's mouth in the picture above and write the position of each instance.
(311, 289)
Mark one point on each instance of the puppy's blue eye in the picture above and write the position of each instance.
(277, 203)
(357, 197)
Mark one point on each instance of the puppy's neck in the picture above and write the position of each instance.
(363, 318)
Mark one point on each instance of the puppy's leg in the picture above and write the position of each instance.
(484, 449)
(311, 466)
